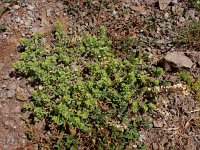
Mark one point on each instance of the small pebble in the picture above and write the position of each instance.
(181, 19)
(158, 124)
(30, 7)
(16, 7)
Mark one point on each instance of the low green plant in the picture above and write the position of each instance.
(196, 88)
(85, 90)
(185, 76)
(196, 3)
(157, 71)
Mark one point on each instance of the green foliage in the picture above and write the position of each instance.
(185, 76)
(196, 3)
(196, 88)
(86, 88)
(157, 71)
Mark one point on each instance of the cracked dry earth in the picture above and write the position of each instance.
(173, 123)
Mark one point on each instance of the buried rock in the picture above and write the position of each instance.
(176, 60)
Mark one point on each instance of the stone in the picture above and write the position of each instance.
(178, 59)
(195, 57)
(163, 4)
(30, 14)
(48, 12)
(35, 30)
(172, 111)
(17, 109)
(6, 77)
(158, 124)
(174, 2)
(190, 14)
(2, 65)
(21, 94)
(181, 19)
(155, 146)
(3, 86)
(30, 7)
(2, 93)
(16, 7)
(150, 2)
(173, 78)
(18, 19)
(10, 93)
(28, 24)
(138, 8)
(12, 86)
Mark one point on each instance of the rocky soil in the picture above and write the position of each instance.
(154, 26)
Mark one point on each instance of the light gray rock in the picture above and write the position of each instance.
(16, 109)
(150, 2)
(10, 93)
(6, 77)
(16, 7)
(18, 19)
(12, 86)
(181, 19)
(163, 4)
(35, 30)
(190, 14)
(30, 14)
(178, 59)
(49, 12)
(30, 7)
(28, 24)
(158, 124)
(174, 2)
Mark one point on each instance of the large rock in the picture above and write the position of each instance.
(178, 60)
(163, 4)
